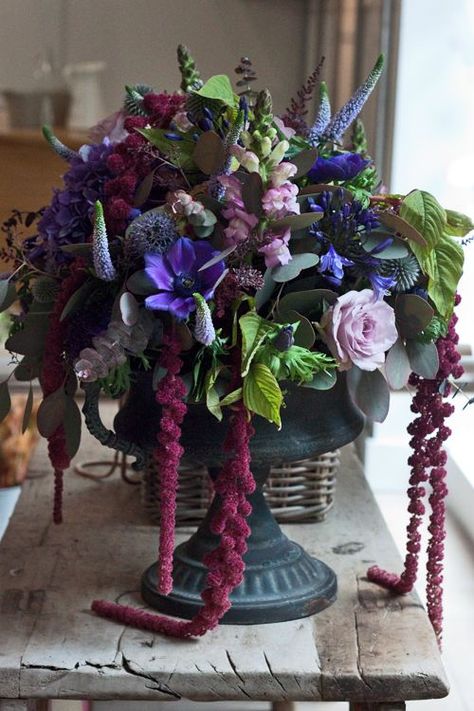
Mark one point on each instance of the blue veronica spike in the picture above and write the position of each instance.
(103, 266)
(58, 147)
(322, 117)
(204, 331)
(352, 108)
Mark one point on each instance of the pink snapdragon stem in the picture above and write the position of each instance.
(427, 463)
(225, 563)
(52, 377)
(169, 394)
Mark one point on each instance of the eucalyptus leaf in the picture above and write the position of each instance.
(218, 87)
(185, 336)
(323, 380)
(252, 193)
(297, 222)
(77, 299)
(370, 392)
(287, 272)
(129, 309)
(51, 413)
(28, 369)
(395, 250)
(412, 314)
(262, 394)
(144, 189)
(397, 365)
(398, 224)
(31, 339)
(141, 284)
(5, 401)
(209, 153)
(81, 249)
(304, 161)
(304, 335)
(423, 357)
(8, 294)
(265, 293)
(203, 231)
(306, 302)
(72, 424)
(28, 410)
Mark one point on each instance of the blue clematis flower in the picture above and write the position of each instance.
(343, 166)
(334, 263)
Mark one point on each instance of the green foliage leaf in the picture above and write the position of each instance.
(412, 314)
(307, 302)
(144, 189)
(8, 294)
(298, 222)
(324, 380)
(264, 294)
(29, 368)
(254, 329)
(421, 210)
(178, 152)
(77, 299)
(458, 224)
(423, 357)
(396, 250)
(232, 397)
(397, 365)
(5, 401)
(218, 87)
(28, 410)
(446, 267)
(304, 161)
(140, 283)
(252, 193)
(51, 412)
(370, 392)
(402, 226)
(262, 394)
(209, 152)
(31, 339)
(287, 272)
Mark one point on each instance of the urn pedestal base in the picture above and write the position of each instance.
(281, 581)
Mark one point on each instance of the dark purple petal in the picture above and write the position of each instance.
(181, 256)
(159, 271)
(340, 167)
(160, 302)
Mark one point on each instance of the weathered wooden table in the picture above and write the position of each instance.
(370, 648)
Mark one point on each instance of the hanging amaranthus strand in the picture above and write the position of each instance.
(53, 374)
(170, 393)
(225, 563)
(428, 464)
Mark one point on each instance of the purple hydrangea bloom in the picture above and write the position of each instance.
(334, 263)
(67, 220)
(177, 275)
(340, 167)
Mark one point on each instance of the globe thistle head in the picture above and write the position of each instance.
(404, 271)
(44, 290)
(152, 232)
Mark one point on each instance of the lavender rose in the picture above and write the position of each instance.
(358, 330)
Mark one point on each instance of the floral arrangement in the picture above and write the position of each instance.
(230, 250)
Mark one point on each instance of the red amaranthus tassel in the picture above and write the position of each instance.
(53, 374)
(225, 563)
(428, 464)
(170, 393)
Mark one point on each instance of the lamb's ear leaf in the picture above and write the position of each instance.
(370, 392)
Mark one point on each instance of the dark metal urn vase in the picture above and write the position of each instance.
(281, 581)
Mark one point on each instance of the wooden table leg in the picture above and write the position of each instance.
(283, 706)
(378, 706)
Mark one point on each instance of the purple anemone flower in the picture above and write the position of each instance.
(340, 167)
(177, 275)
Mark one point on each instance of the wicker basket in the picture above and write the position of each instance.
(299, 492)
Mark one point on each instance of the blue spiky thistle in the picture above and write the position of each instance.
(133, 102)
(404, 271)
(153, 232)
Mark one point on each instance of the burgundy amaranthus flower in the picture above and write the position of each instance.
(428, 464)
(225, 563)
(52, 377)
(170, 393)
